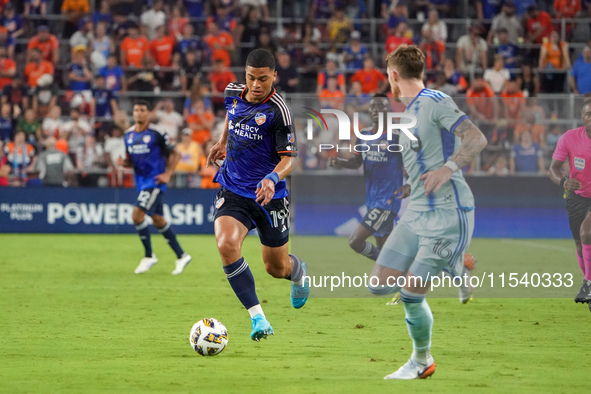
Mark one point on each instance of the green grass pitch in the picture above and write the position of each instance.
(74, 318)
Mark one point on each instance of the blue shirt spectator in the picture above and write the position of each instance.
(526, 156)
(355, 53)
(521, 6)
(194, 8)
(103, 15)
(490, 8)
(12, 21)
(35, 6)
(112, 73)
(6, 40)
(6, 128)
(394, 20)
(79, 71)
(509, 53)
(581, 73)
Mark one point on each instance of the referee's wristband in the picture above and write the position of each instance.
(452, 165)
(563, 181)
(272, 176)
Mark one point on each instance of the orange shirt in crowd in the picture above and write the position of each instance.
(200, 135)
(513, 103)
(480, 100)
(393, 42)
(322, 76)
(33, 71)
(76, 5)
(162, 50)
(46, 47)
(176, 25)
(332, 99)
(567, 8)
(207, 181)
(62, 145)
(537, 131)
(544, 22)
(370, 80)
(134, 50)
(221, 80)
(6, 65)
(14, 153)
(430, 48)
(224, 38)
(554, 55)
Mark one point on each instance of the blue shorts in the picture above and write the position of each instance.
(379, 221)
(150, 201)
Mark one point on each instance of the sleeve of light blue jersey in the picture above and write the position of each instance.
(447, 114)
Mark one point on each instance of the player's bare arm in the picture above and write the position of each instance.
(266, 189)
(173, 159)
(218, 151)
(473, 142)
(556, 176)
(121, 162)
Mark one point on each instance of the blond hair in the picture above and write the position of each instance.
(408, 61)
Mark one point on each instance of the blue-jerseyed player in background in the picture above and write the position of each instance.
(260, 149)
(383, 172)
(153, 158)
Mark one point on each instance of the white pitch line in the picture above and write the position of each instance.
(538, 245)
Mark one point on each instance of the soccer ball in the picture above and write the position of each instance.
(208, 337)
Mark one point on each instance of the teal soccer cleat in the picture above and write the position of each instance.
(299, 294)
(260, 328)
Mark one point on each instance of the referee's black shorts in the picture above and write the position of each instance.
(577, 208)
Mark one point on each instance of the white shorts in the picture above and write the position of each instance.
(426, 243)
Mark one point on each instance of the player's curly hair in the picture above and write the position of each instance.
(408, 60)
(260, 58)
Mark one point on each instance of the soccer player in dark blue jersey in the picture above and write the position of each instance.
(259, 146)
(383, 172)
(154, 159)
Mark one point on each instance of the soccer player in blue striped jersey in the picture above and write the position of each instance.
(383, 172)
(154, 159)
(258, 143)
(436, 228)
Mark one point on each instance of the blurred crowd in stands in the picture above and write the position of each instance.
(71, 69)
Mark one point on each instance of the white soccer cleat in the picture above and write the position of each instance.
(465, 291)
(181, 263)
(145, 264)
(414, 370)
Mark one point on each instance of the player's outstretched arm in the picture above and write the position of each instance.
(218, 151)
(473, 142)
(556, 176)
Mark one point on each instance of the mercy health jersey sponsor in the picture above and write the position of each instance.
(98, 210)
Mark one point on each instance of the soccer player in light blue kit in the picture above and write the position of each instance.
(437, 226)
(259, 145)
(154, 159)
(382, 170)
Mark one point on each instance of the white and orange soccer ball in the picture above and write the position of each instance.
(208, 337)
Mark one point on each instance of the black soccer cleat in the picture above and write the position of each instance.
(584, 294)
